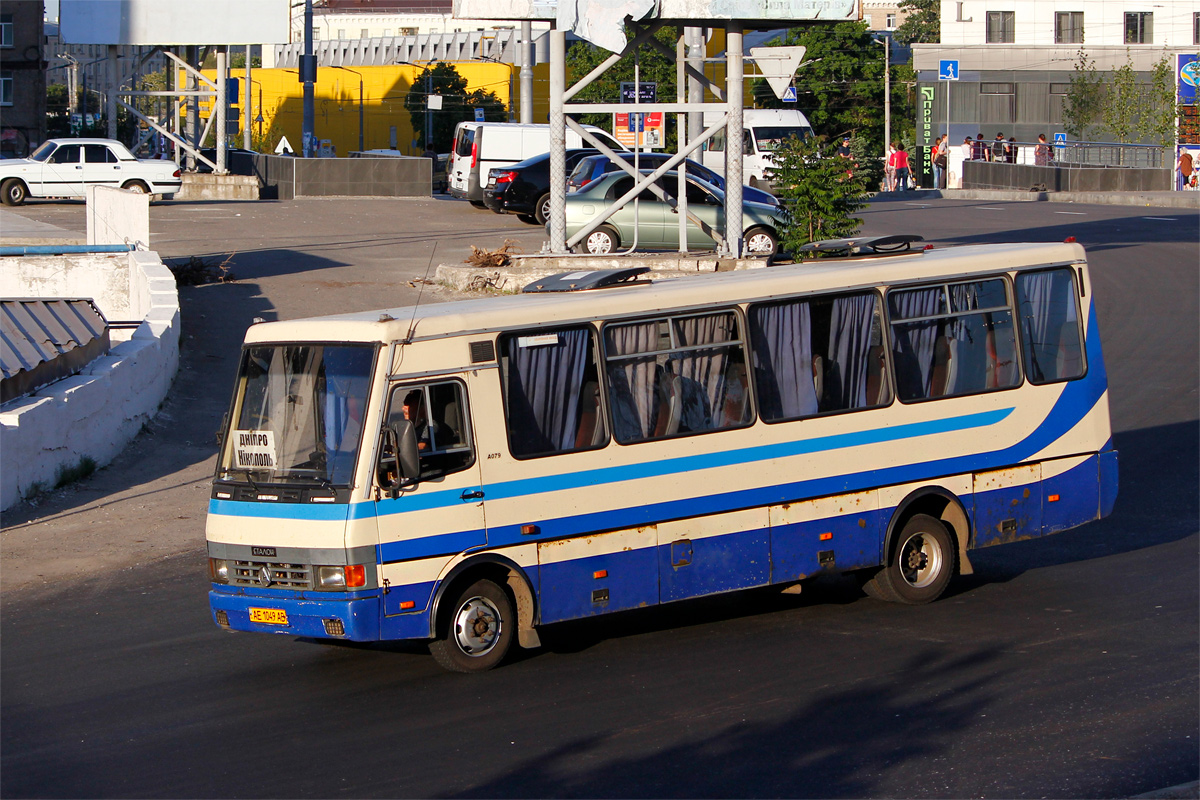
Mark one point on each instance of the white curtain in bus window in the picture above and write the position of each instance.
(546, 374)
(1049, 322)
(347, 378)
(819, 356)
(673, 376)
(953, 340)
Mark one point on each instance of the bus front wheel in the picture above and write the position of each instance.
(920, 566)
(477, 631)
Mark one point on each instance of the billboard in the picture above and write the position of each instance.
(602, 21)
(174, 22)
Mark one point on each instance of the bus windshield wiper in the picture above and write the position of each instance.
(244, 471)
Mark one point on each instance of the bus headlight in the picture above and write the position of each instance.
(218, 570)
(341, 577)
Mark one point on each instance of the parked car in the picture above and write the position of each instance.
(481, 146)
(592, 168)
(654, 224)
(63, 167)
(524, 188)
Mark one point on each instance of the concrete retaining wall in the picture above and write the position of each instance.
(285, 177)
(985, 175)
(206, 186)
(97, 412)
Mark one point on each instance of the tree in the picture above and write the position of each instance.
(841, 91)
(819, 191)
(1122, 101)
(458, 105)
(1081, 107)
(923, 25)
(653, 67)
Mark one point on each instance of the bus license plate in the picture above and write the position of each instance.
(269, 616)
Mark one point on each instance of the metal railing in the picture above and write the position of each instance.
(1086, 154)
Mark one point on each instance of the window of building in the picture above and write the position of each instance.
(387, 31)
(1001, 27)
(341, 33)
(409, 31)
(953, 339)
(1139, 27)
(364, 34)
(998, 103)
(676, 376)
(551, 392)
(1057, 97)
(1068, 27)
(891, 21)
(1196, 27)
(818, 356)
(6, 30)
(6, 87)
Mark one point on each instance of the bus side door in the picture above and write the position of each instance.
(443, 514)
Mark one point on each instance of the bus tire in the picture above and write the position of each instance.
(477, 629)
(13, 192)
(920, 565)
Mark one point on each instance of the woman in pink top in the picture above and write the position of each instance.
(899, 160)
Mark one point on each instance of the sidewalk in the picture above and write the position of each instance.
(1156, 199)
(18, 230)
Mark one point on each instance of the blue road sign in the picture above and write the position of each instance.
(948, 70)
(1060, 138)
(637, 122)
(479, 115)
(789, 94)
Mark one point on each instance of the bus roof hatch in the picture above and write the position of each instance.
(589, 279)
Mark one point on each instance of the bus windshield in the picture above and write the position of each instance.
(769, 137)
(298, 414)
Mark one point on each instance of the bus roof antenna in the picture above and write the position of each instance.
(412, 323)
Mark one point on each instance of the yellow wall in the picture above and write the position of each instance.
(336, 102)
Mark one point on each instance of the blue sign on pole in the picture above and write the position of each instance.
(948, 70)
(231, 91)
(789, 94)
(637, 123)
(1060, 139)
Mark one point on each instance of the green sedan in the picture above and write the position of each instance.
(656, 224)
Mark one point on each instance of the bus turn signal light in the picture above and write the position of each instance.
(1053, 498)
(600, 573)
(825, 537)
(356, 575)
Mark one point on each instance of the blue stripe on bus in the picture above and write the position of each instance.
(434, 545)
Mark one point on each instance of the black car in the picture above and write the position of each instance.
(524, 188)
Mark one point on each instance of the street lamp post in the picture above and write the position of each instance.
(360, 105)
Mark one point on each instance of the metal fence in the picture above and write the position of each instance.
(1109, 154)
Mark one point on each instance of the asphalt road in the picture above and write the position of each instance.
(1065, 667)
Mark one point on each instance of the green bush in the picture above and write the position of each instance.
(819, 191)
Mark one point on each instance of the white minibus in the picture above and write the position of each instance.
(480, 146)
(464, 473)
(763, 130)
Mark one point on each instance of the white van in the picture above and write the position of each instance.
(481, 146)
(764, 130)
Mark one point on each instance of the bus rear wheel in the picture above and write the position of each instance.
(920, 566)
(477, 631)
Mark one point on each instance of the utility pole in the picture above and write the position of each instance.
(246, 107)
(526, 56)
(308, 74)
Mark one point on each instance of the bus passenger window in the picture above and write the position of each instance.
(818, 356)
(953, 339)
(1049, 320)
(676, 375)
(439, 417)
(551, 392)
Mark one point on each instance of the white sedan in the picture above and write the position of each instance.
(63, 167)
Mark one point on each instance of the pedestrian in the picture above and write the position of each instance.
(979, 149)
(967, 148)
(1041, 152)
(941, 154)
(900, 162)
(1010, 150)
(998, 148)
(844, 148)
(889, 171)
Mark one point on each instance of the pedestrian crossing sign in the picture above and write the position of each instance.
(789, 94)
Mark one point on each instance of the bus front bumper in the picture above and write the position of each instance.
(355, 618)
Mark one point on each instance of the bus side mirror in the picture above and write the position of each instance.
(399, 462)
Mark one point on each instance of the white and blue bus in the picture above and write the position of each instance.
(466, 472)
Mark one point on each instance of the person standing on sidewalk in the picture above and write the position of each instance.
(889, 172)
(941, 155)
(899, 161)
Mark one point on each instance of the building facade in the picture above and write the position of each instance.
(22, 78)
(1015, 60)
